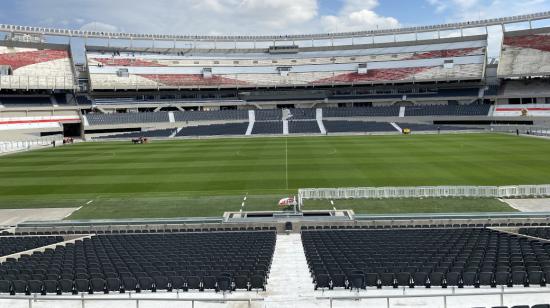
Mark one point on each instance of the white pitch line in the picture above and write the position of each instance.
(89, 202)
(286, 162)
(78, 209)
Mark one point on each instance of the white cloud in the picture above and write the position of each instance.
(230, 17)
(461, 10)
(464, 10)
(99, 26)
(357, 15)
(181, 16)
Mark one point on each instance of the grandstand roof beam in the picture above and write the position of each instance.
(243, 38)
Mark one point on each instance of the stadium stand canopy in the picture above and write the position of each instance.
(35, 66)
(525, 53)
(433, 60)
(272, 38)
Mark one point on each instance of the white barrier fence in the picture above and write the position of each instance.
(25, 145)
(425, 192)
(522, 129)
(65, 301)
(489, 298)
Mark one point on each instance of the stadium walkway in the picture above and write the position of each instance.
(289, 283)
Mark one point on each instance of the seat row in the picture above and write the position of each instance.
(195, 257)
(444, 255)
(224, 283)
(360, 280)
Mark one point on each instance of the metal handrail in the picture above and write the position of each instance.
(502, 293)
(83, 299)
(25, 145)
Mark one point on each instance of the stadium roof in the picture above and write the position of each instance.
(259, 38)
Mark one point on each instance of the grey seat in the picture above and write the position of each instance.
(224, 284)
(20, 286)
(470, 279)
(257, 282)
(162, 283)
(322, 281)
(82, 285)
(36, 286)
(502, 278)
(5, 286)
(452, 278)
(113, 284)
(146, 283)
(486, 279)
(194, 283)
(242, 283)
(404, 279)
(66, 285)
(50, 286)
(519, 278)
(357, 281)
(436, 278)
(98, 285)
(129, 283)
(177, 282)
(536, 278)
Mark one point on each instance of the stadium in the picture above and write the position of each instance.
(401, 167)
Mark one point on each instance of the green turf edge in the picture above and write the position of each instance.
(215, 206)
(413, 206)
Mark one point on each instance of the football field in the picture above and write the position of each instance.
(210, 176)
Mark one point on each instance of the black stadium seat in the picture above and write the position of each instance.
(52, 287)
(432, 257)
(162, 283)
(224, 284)
(36, 286)
(322, 281)
(242, 283)
(129, 283)
(98, 285)
(143, 262)
(5, 286)
(20, 286)
(82, 285)
(113, 284)
(257, 282)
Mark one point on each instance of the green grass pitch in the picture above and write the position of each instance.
(208, 177)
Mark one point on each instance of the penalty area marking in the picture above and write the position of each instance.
(243, 203)
(78, 209)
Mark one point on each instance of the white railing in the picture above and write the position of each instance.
(270, 38)
(83, 300)
(36, 82)
(98, 81)
(27, 145)
(424, 192)
(522, 129)
(443, 296)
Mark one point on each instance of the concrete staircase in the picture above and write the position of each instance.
(289, 283)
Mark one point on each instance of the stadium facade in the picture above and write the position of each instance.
(432, 78)
(423, 76)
